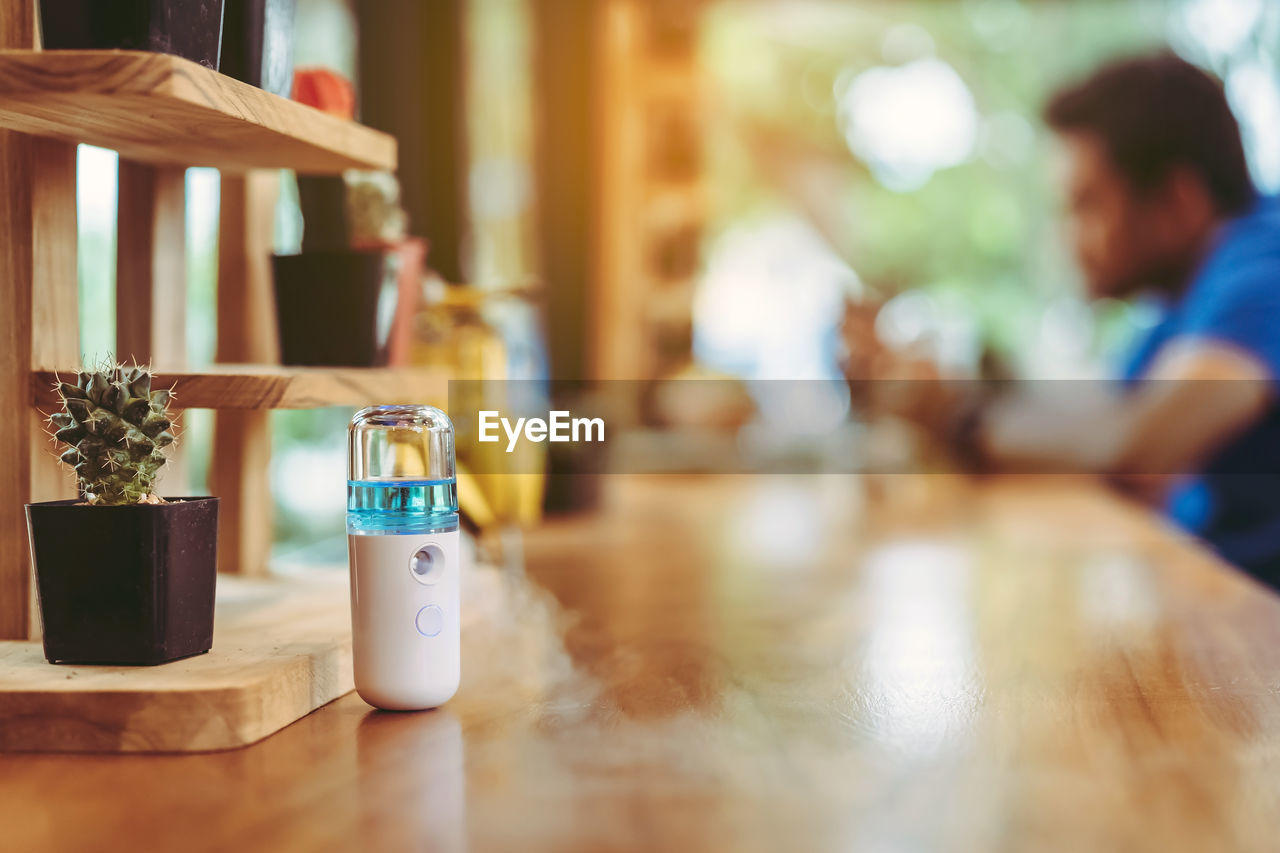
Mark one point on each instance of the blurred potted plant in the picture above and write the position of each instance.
(349, 297)
(188, 28)
(123, 576)
(257, 43)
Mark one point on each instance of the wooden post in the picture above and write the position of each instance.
(151, 281)
(246, 334)
(39, 331)
(151, 266)
(567, 166)
(413, 85)
(649, 205)
(616, 334)
(39, 326)
(16, 445)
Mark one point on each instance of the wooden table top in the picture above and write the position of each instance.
(908, 663)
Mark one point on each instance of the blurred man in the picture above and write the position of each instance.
(1160, 203)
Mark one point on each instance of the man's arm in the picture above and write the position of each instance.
(1198, 395)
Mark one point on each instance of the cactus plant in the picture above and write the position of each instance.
(124, 577)
(374, 215)
(116, 429)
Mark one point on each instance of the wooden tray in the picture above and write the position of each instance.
(281, 649)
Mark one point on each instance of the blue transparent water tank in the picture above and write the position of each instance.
(401, 476)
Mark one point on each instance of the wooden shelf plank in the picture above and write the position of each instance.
(281, 649)
(257, 387)
(156, 108)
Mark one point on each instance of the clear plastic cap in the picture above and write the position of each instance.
(400, 443)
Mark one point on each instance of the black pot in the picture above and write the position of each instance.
(335, 308)
(129, 585)
(188, 28)
(323, 201)
(257, 43)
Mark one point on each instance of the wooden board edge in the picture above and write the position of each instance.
(289, 388)
(174, 78)
(233, 715)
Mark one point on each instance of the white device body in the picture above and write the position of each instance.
(406, 622)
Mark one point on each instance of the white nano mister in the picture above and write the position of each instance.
(402, 531)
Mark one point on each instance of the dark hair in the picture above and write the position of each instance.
(1155, 113)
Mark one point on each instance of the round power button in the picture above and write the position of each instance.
(430, 621)
(427, 564)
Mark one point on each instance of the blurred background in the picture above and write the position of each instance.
(644, 189)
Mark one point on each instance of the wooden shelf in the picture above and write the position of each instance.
(156, 108)
(281, 649)
(259, 387)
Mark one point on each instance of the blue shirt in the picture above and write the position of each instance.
(1234, 501)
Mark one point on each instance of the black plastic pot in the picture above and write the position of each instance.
(188, 28)
(323, 201)
(335, 308)
(257, 43)
(127, 585)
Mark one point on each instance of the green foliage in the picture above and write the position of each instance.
(116, 429)
(983, 232)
